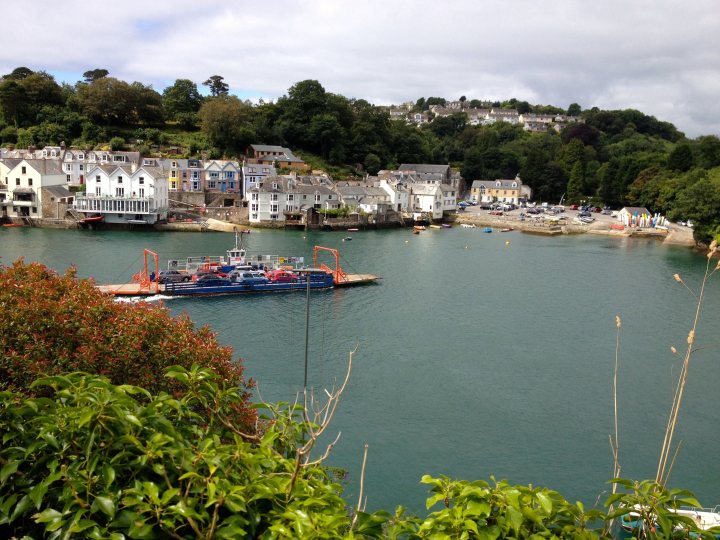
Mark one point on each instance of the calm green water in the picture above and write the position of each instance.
(476, 356)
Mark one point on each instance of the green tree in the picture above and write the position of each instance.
(576, 184)
(681, 158)
(574, 109)
(117, 143)
(709, 151)
(181, 98)
(18, 74)
(217, 86)
(13, 102)
(227, 123)
(93, 75)
(700, 202)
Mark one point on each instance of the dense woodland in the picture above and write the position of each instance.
(613, 158)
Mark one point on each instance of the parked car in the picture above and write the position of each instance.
(495, 212)
(172, 276)
(584, 213)
(197, 275)
(248, 276)
(283, 275)
(212, 280)
(606, 212)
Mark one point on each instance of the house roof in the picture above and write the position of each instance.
(60, 192)
(636, 210)
(45, 166)
(504, 184)
(422, 168)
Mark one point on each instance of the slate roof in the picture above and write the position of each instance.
(422, 168)
(504, 184)
(59, 192)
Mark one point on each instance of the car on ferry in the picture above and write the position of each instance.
(248, 276)
(282, 276)
(173, 276)
(212, 280)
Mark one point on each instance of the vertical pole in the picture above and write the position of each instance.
(307, 331)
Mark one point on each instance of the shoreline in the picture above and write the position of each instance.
(674, 235)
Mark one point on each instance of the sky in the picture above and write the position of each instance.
(661, 57)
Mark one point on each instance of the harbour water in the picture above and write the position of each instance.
(477, 354)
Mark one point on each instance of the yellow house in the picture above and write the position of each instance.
(508, 191)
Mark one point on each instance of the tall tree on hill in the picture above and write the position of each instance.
(18, 74)
(681, 158)
(93, 75)
(227, 123)
(182, 97)
(217, 86)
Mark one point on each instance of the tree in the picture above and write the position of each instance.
(56, 323)
(575, 187)
(18, 74)
(181, 98)
(217, 86)
(95, 74)
(574, 109)
(227, 123)
(709, 151)
(681, 158)
(12, 101)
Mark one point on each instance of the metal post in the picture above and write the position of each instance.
(308, 275)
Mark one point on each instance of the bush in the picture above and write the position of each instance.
(56, 324)
(117, 143)
(93, 461)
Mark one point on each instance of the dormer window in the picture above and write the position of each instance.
(497, 184)
(81, 156)
(514, 184)
(274, 185)
(119, 181)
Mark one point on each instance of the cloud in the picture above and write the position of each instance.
(659, 57)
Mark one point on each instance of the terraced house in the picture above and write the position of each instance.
(507, 191)
(288, 198)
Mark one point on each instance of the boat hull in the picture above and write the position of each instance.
(192, 289)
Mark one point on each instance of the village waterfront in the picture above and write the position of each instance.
(478, 354)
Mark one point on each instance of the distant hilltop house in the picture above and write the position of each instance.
(276, 156)
(508, 191)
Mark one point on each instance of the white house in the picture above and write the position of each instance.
(254, 173)
(399, 197)
(280, 196)
(125, 194)
(426, 199)
(75, 163)
(23, 180)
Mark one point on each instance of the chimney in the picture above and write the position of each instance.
(133, 167)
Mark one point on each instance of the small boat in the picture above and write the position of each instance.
(506, 229)
(353, 230)
(435, 227)
(12, 225)
(468, 225)
(488, 229)
(446, 225)
(93, 219)
(419, 227)
(704, 519)
(347, 238)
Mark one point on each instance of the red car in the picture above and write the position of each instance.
(495, 212)
(282, 275)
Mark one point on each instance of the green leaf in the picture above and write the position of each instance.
(10, 468)
(47, 515)
(545, 502)
(105, 505)
(37, 493)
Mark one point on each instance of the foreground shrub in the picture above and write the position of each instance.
(53, 323)
(96, 460)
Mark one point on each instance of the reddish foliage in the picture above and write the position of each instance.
(51, 323)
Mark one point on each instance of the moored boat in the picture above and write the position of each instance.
(468, 225)
(488, 229)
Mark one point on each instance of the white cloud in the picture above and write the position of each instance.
(660, 57)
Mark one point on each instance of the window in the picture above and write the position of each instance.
(141, 192)
(184, 174)
(82, 167)
(17, 181)
(68, 167)
(214, 175)
(317, 197)
(173, 184)
(141, 180)
(81, 156)
(273, 208)
(254, 197)
(254, 216)
(254, 207)
(290, 197)
(24, 170)
(29, 181)
(174, 164)
(119, 192)
(274, 197)
(229, 175)
(329, 197)
(265, 170)
(211, 185)
(98, 191)
(68, 178)
(173, 174)
(119, 180)
(97, 178)
(195, 175)
(34, 209)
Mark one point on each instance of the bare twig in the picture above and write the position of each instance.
(360, 505)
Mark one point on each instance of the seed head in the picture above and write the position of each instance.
(713, 245)
(618, 322)
(673, 350)
(677, 278)
(691, 337)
